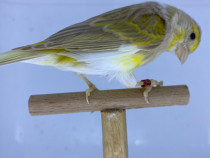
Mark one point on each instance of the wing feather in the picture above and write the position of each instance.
(134, 25)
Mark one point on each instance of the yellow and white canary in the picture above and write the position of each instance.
(115, 43)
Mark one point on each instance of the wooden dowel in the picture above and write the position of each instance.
(114, 134)
(108, 99)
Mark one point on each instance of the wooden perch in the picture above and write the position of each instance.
(112, 104)
(107, 99)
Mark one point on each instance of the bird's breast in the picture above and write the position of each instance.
(129, 62)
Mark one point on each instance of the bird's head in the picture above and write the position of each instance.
(186, 37)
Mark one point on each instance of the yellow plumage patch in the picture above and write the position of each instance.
(130, 62)
(42, 42)
(68, 60)
(145, 31)
(64, 59)
(53, 50)
(197, 40)
(179, 37)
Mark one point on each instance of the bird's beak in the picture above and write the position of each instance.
(182, 52)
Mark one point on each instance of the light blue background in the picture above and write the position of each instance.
(179, 131)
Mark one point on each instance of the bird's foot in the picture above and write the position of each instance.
(91, 88)
(148, 84)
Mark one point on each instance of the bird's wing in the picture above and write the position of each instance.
(107, 33)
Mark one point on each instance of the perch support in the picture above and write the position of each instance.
(112, 104)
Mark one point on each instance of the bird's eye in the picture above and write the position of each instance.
(192, 36)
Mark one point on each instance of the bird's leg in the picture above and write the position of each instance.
(148, 84)
(90, 85)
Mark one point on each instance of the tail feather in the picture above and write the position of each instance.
(17, 55)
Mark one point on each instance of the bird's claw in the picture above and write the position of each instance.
(148, 84)
(89, 90)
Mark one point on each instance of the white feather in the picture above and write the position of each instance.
(123, 50)
(101, 63)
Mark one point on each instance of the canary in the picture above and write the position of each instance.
(115, 43)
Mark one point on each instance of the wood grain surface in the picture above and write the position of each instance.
(107, 99)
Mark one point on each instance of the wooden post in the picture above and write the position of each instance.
(114, 134)
(112, 104)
